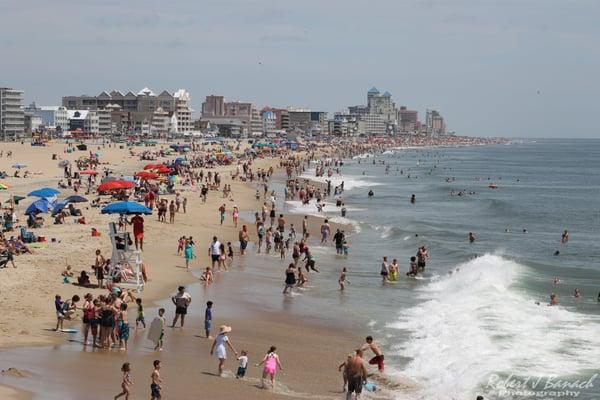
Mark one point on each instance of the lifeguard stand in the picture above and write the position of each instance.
(122, 256)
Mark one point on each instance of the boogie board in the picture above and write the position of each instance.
(70, 330)
(155, 330)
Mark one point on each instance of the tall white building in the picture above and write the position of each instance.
(183, 111)
(12, 118)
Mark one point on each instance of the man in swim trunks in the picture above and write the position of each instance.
(374, 347)
(138, 231)
(214, 251)
(357, 374)
(422, 256)
(155, 386)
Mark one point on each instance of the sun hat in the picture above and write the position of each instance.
(224, 329)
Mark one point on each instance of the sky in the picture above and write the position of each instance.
(522, 68)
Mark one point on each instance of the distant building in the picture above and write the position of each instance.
(382, 105)
(408, 120)
(434, 123)
(346, 125)
(12, 118)
(308, 121)
(85, 121)
(32, 123)
(213, 106)
(135, 112)
(53, 118)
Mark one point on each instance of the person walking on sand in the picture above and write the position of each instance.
(181, 300)
(271, 362)
(126, 369)
(235, 215)
(357, 375)
(172, 212)
(374, 347)
(156, 382)
(189, 253)
(218, 347)
(222, 213)
(208, 318)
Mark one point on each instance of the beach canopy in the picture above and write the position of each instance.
(114, 185)
(88, 172)
(38, 206)
(126, 207)
(44, 192)
(19, 165)
(75, 199)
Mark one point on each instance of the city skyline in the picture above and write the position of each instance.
(494, 69)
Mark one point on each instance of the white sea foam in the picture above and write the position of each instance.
(473, 323)
(350, 181)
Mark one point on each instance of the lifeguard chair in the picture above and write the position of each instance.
(124, 257)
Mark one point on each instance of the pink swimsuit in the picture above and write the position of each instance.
(271, 364)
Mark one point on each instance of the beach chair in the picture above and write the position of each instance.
(27, 237)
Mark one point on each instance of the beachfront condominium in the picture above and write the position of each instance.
(12, 118)
(308, 121)
(434, 123)
(135, 112)
(409, 120)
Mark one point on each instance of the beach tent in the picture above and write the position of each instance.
(44, 192)
(126, 207)
(38, 206)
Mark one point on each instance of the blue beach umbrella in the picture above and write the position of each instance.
(58, 206)
(126, 207)
(38, 206)
(44, 192)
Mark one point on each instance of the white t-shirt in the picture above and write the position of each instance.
(243, 361)
(220, 350)
(215, 248)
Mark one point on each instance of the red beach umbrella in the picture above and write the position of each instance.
(114, 185)
(147, 175)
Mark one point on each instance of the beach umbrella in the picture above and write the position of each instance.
(16, 199)
(75, 199)
(38, 206)
(63, 163)
(88, 172)
(44, 192)
(3, 186)
(147, 175)
(58, 207)
(126, 207)
(151, 166)
(19, 165)
(114, 185)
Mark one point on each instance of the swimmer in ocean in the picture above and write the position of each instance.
(553, 300)
(471, 237)
(413, 199)
(564, 237)
(577, 293)
(371, 194)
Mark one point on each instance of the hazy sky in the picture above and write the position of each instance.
(480, 62)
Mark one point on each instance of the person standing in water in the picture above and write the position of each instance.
(385, 270)
(290, 278)
(342, 280)
(271, 362)
(565, 237)
(378, 359)
(471, 237)
(357, 375)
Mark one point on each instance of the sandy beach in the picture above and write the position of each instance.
(29, 289)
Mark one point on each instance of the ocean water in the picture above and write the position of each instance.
(472, 323)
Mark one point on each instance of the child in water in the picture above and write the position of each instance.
(126, 369)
